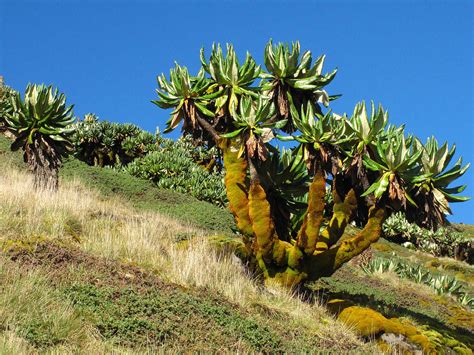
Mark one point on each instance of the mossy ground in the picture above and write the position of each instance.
(394, 297)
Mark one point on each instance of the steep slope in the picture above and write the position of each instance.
(111, 263)
(138, 193)
(89, 270)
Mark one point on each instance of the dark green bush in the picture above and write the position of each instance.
(180, 165)
(103, 143)
(5, 93)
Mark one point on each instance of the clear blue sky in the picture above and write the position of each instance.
(415, 57)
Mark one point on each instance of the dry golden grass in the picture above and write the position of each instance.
(111, 229)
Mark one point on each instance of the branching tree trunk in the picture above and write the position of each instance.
(316, 251)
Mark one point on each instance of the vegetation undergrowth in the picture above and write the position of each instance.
(207, 285)
(445, 241)
(135, 309)
(180, 165)
(35, 315)
(396, 297)
(441, 284)
(142, 194)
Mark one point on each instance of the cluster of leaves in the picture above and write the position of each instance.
(442, 284)
(363, 152)
(442, 242)
(399, 169)
(6, 93)
(173, 166)
(103, 143)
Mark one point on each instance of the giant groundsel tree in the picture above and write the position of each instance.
(40, 124)
(278, 196)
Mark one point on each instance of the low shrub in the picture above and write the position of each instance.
(442, 284)
(135, 318)
(174, 166)
(181, 165)
(442, 242)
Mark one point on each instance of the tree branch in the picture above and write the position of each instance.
(208, 127)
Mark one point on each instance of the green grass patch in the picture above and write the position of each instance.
(139, 193)
(154, 317)
(37, 311)
(142, 194)
(136, 310)
(7, 156)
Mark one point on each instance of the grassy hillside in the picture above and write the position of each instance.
(110, 263)
(138, 193)
(145, 196)
(89, 270)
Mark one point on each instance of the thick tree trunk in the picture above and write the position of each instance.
(316, 251)
(44, 162)
(237, 186)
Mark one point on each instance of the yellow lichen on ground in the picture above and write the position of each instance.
(369, 323)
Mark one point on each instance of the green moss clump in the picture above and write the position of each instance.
(262, 223)
(444, 342)
(16, 246)
(370, 323)
(309, 233)
(236, 187)
(383, 247)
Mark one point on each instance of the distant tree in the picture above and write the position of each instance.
(103, 143)
(40, 124)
